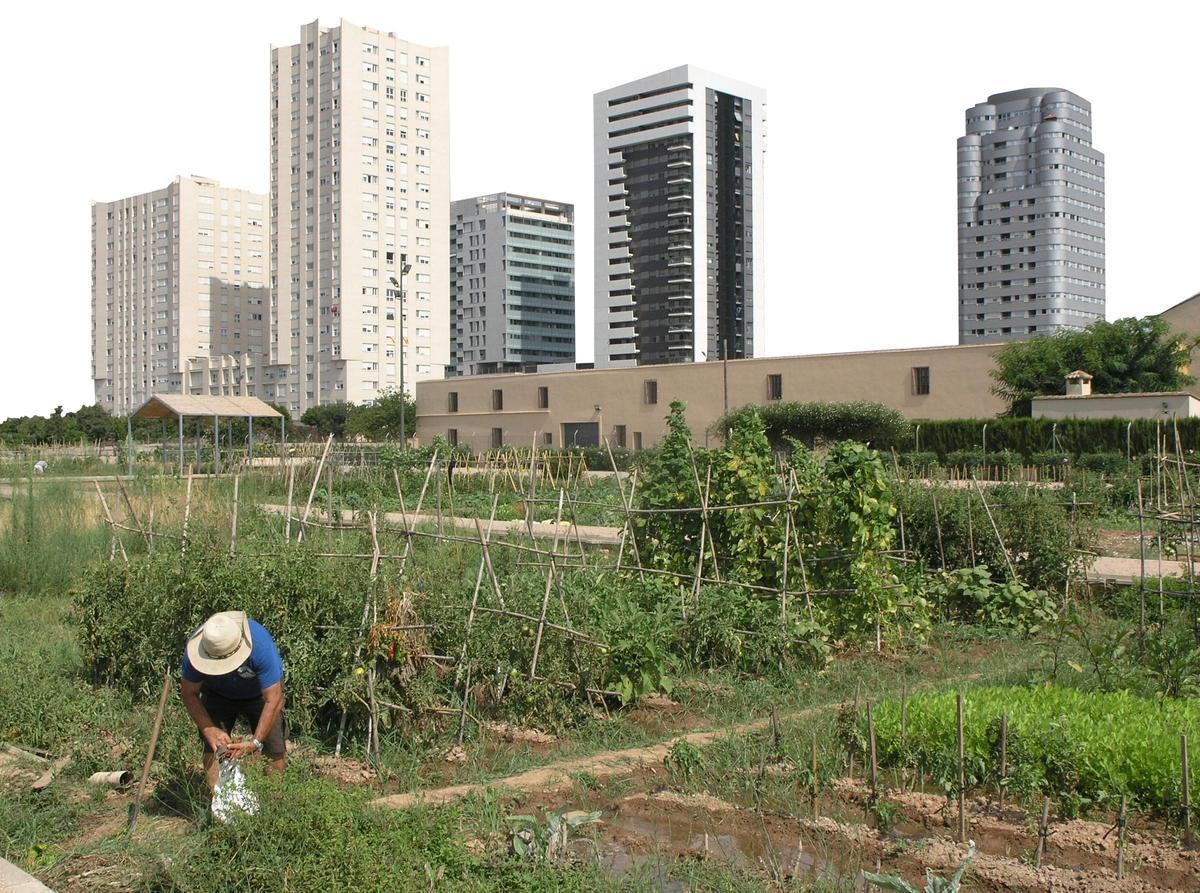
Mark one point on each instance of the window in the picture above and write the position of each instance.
(547, 439)
(497, 437)
(497, 400)
(650, 392)
(543, 398)
(452, 436)
(619, 435)
(775, 387)
(452, 401)
(637, 440)
(920, 379)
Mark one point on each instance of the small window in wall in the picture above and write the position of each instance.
(637, 440)
(452, 436)
(497, 437)
(650, 392)
(775, 387)
(543, 398)
(497, 400)
(619, 435)
(452, 401)
(547, 439)
(920, 379)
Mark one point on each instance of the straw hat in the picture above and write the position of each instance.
(221, 645)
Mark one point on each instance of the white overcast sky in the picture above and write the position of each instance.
(865, 101)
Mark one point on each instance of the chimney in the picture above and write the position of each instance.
(1079, 384)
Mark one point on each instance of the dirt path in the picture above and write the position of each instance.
(602, 766)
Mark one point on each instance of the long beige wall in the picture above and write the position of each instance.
(1117, 406)
(960, 387)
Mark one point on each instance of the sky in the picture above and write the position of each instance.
(864, 104)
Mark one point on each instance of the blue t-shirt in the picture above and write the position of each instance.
(261, 670)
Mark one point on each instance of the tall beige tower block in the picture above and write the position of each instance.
(360, 183)
(179, 293)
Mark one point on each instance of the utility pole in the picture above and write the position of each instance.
(404, 269)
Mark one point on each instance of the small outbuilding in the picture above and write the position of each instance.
(200, 406)
(1080, 403)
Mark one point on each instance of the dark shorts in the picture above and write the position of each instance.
(226, 711)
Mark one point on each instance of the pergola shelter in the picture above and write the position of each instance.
(198, 406)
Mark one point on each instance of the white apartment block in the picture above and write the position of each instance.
(360, 183)
(179, 291)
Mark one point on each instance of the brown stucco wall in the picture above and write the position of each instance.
(960, 387)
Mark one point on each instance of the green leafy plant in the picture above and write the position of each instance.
(933, 883)
(548, 840)
(684, 760)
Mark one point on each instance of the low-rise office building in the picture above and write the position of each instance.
(628, 405)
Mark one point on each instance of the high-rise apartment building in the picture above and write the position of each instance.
(1030, 217)
(512, 281)
(360, 188)
(179, 286)
(679, 272)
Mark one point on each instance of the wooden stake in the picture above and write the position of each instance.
(962, 775)
(158, 718)
(874, 753)
(1187, 791)
(1122, 824)
(1043, 832)
(816, 811)
(1012, 573)
(462, 659)
(1003, 756)
(129, 508)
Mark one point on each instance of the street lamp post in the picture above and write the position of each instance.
(405, 267)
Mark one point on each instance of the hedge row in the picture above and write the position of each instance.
(1029, 437)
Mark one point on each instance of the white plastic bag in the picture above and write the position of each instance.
(231, 795)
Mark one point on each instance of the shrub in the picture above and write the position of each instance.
(1105, 463)
(965, 459)
(922, 463)
(1049, 459)
(819, 423)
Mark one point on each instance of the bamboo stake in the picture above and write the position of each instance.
(234, 521)
(362, 628)
(141, 791)
(111, 523)
(1142, 575)
(462, 660)
(1012, 573)
(132, 513)
(787, 541)
(627, 502)
(312, 491)
(187, 513)
(537, 642)
(291, 482)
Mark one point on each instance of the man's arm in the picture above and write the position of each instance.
(272, 705)
(213, 734)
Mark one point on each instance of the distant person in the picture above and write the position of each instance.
(40, 466)
(232, 669)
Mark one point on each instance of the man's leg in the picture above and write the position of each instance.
(275, 744)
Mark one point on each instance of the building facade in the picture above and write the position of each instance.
(179, 280)
(1030, 217)
(512, 281)
(360, 188)
(628, 406)
(679, 265)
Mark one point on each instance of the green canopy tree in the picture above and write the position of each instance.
(1125, 356)
(328, 418)
(380, 419)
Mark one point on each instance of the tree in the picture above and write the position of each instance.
(380, 419)
(1126, 356)
(328, 418)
